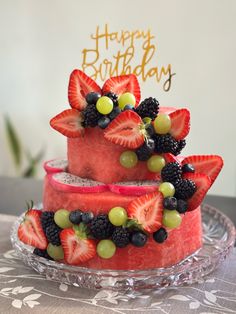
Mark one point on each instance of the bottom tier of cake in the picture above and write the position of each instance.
(181, 242)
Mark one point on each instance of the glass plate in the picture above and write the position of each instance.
(218, 239)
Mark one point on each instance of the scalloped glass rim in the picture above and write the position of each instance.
(218, 239)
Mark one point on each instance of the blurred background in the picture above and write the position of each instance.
(192, 45)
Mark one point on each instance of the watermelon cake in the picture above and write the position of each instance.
(124, 199)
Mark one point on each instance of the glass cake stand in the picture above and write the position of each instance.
(218, 240)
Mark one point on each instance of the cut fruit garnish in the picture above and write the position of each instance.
(123, 84)
(203, 183)
(79, 86)
(210, 165)
(68, 123)
(31, 232)
(147, 210)
(55, 165)
(77, 248)
(180, 123)
(126, 130)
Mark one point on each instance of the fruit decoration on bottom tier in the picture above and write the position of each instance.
(148, 138)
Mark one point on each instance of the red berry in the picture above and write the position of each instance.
(31, 232)
(147, 210)
(76, 249)
(68, 123)
(79, 86)
(123, 84)
(180, 123)
(125, 130)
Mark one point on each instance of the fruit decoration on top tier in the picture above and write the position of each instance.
(149, 136)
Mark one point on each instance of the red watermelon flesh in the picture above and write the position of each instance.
(181, 242)
(94, 157)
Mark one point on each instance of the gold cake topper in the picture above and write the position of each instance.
(132, 52)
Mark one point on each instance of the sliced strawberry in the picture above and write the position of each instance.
(147, 210)
(169, 157)
(123, 84)
(76, 249)
(79, 86)
(126, 130)
(180, 123)
(210, 165)
(203, 183)
(31, 232)
(68, 123)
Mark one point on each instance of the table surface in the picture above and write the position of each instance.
(23, 290)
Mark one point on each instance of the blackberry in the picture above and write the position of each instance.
(91, 116)
(121, 236)
(184, 189)
(180, 145)
(160, 235)
(47, 219)
(100, 227)
(149, 107)
(145, 151)
(42, 253)
(53, 234)
(171, 172)
(165, 144)
(113, 97)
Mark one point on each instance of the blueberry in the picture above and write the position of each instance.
(87, 217)
(103, 122)
(139, 239)
(160, 235)
(115, 112)
(182, 206)
(92, 97)
(145, 151)
(170, 203)
(150, 129)
(188, 168)
(75, 216)
(128, 107)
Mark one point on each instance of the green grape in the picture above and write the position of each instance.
(118, 216)
(126, 99)
(155, 163)
(128, 159)
(162, 123)
(167, 189)
(106, 249)
(104, 105)
(171, 219)
(61, 218)
(147, 120)
(55, 252)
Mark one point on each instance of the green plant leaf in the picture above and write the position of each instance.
(33, 162)
(13, 141)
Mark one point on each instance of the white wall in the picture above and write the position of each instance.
(41, 43)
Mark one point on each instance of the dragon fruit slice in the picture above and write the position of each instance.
(66, 182)
(134, 187)
(55, 165)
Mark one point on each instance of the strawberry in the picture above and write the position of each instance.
(210, 165)
(180, 123)
(169, 157)
(126, 129)
(77, 248)
(79, 86)
(203, 183)
(68, 123)
(147, 210)
(123, 84)
(31, 232)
